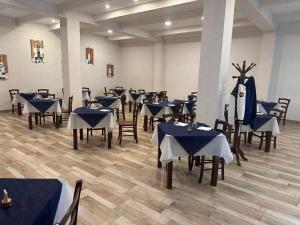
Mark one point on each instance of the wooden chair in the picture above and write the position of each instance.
(278, 113)
(108, 93)
(284, 103)
(65, 114)
(12, 93)
(141, 91)
(225, 129)
(129, 126)
(70, 217)
(162, 96)
(89, 131)
(169, 118)
(44, 115)
(131, 91)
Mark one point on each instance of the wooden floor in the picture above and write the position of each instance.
(123, 186)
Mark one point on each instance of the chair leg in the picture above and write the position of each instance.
(284, 119)
(245, 138)
(191, 162)
(201, 168)
(261, 140)
(120, 135)
(87, 134)
(135, 135)
(104, 132)
(275, 144)
(12, 109)
(223, 168)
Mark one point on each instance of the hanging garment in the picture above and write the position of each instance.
(237, 103)
(250, 110)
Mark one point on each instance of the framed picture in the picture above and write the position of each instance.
(89, 56)
(110, 70)
(37, 51)
(3, 67)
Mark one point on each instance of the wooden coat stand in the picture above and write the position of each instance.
(237, 136)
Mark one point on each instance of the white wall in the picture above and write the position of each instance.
(105, 52)
(137, 66)
(181, 64)
(23, 74)
(286, 67)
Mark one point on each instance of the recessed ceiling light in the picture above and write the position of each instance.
(107, 6)
(202, 18)
(136, 0)
(168, 23)
(53, 21)
(110, 31)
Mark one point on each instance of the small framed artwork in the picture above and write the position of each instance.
(37, 51)
(110, 70)
(3, 67)
(89, 56)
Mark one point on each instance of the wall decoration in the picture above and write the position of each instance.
(37, 51)
(110, 70)
(3, 67)
(89, 56)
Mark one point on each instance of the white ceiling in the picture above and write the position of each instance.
(144, 19)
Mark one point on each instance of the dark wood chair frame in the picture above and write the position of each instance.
(12, 93)
(284, 103)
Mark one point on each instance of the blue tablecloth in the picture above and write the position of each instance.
(135, 96)
(268, 106)
(119, 92)
(28, 96)
(190, 141)
(156, 108)
(106, 101)
(34, 201)
(261, 120)
(189, 104)
(42, 104)
(92, 116)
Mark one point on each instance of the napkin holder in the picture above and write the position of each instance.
(6, 201)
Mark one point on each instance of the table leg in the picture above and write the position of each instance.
(268, 141)
(158, 158)
(250, 135)
(169, 174)
(36, 118)
(109, 139)
(145, 123)
(30, 121)
(130, 103)
(19, 109)
(215, 170)
(81, 134)
(75, 139)
(57, 120)
(197, 161)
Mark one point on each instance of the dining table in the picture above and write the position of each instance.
(263, 123)
(118, 91)
(265, 107)
(191, 140)
(38, 106)
(35, 201)
(109, 101)
(21, 98)
(91, 118)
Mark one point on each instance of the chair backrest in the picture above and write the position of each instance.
(70, 104)
(119, 87)
(62, 90)
(132, 91)
(162, 96)
(135, 113)
(86, 89)
(277, 113)
(194, 93)
(43, 90)
(226, 128)
(105, 90)
(169, 118)
(142, 91)
(88, 103)
(12, 93)
(284, 103)
(178, 110)
(51, 96)
(226, 112)
(72, 212)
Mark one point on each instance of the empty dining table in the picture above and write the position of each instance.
(266, 106)
(35, 201)
(109, 101)
(91, 118)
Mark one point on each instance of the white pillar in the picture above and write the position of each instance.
(265, 64)
(215, 58)
(70, 45)
(158, 79)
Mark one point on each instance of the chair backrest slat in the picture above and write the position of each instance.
(13, 92)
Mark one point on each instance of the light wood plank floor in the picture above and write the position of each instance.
(123, 186)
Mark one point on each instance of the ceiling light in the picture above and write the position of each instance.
(202, 18)
(110, 31)
(136, 0)
(53, 21)
(107, 6)
(168, 23)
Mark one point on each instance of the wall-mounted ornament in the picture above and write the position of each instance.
(110, 70)
(89, 56)
(37, 51)
(3, 67)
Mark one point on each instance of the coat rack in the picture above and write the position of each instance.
(237, 136)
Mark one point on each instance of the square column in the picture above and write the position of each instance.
(215, 58)
(70, 46)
